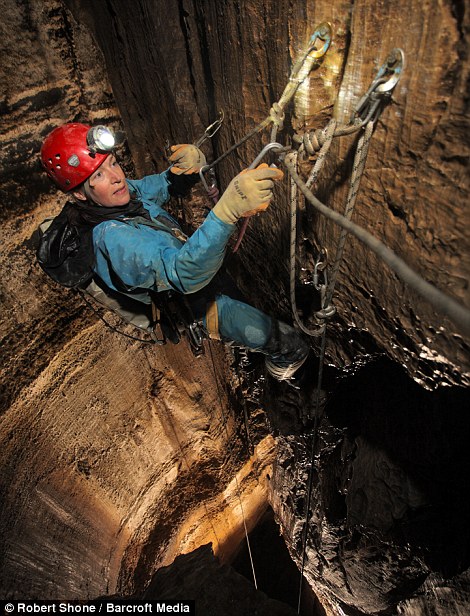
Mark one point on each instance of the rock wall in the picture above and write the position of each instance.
(116, 458)
(414, 190)
(103, 439)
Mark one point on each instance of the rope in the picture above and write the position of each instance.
(441, 302)
(259, 127)
(300, 71)
(312, 141)
(321, 140)
(356, 176)
(459, 314)
(230, 441)
(240, 356)
(329, 134)
(312, 463)
(293, 242)
(277, 116)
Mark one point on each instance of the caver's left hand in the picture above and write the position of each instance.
(186, 159)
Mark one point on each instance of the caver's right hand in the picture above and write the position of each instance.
(248, 193)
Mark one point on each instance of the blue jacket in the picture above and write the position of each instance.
(134, 256)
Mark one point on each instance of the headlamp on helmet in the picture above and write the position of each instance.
(72, 152)
(100, 139)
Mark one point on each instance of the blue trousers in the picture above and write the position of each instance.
(246, 326)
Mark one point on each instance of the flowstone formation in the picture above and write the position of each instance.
(125, 467)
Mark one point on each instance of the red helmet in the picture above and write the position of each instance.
(68, 157)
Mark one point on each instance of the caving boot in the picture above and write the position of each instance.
(284, 373)
(292, 393)
(286, 351)
(287, 354)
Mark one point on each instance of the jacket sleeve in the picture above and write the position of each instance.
(134, 257)
(152, 187)
(160, 186)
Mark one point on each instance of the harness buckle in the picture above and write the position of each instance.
(195, 335)
(174, 319)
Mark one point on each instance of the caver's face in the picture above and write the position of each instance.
(107, 185)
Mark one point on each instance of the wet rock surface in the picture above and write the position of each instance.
(116, 459)
(386, 507)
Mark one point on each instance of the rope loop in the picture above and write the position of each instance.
(314, 140)
(277, 115)
(449, 307)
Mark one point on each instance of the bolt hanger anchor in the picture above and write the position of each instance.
(380, 91)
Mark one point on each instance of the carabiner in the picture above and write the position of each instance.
(320, 265)
(202, 170)
(208, 133)
(274, 145)
(270, 146)
(368, 107)
(394, 64)
(211, 129)
(303, 65)
(214, 127)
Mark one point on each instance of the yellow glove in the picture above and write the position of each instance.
(186, 158)
(249, 192)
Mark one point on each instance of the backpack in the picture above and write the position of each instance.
(67, 257)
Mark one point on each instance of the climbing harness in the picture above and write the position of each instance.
(152, 337)
(167, 319)
(174, 320)
(167, 316)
